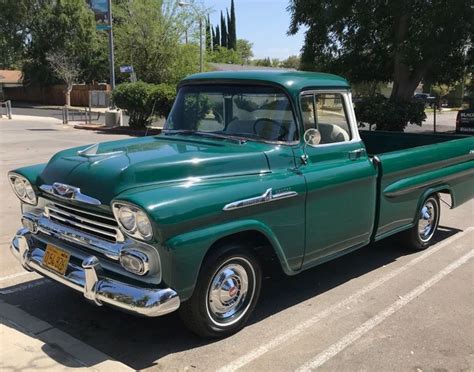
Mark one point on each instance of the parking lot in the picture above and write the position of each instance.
(380, 308)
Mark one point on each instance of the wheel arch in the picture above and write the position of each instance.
(188, 251)
(440, 189)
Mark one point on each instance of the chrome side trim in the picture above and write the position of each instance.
(149, 302)
(68, 192)
(266, 197)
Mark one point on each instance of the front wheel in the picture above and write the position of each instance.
(226, 293)
(419, 237)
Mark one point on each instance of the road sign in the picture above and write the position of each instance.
(126, 69)
(103, 27)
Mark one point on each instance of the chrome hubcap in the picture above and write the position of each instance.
(230, 293)
(427, 221)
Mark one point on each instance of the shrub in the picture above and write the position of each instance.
(141, 101)
(389, 114)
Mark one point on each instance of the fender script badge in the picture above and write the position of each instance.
(266, 197)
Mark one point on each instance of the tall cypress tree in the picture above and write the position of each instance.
(223, 32)
(217, 41)
(213, 37)
(229, 37)
(208, 34)
(232, 28)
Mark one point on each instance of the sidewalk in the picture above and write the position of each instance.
(27, 343)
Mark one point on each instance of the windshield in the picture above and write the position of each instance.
(250, 112)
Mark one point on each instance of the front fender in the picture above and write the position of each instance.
(185, 252)
(31, 172)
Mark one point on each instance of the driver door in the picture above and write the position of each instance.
(340, 178)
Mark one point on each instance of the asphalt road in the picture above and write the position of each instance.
(380, 308)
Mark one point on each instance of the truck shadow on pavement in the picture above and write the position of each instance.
(141, 342)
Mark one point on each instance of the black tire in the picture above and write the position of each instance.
(420, 236)
(203, 312)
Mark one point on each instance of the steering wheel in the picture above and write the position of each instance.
(263, 130)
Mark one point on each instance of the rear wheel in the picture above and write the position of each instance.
(419, 237)
(226, 293)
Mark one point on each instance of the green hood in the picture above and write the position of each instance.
(114, 167)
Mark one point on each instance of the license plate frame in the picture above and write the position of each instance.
(56, 259)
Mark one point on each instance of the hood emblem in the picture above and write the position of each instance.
(68, 192)
(65, 191)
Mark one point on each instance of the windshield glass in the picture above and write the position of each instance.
(251, 112)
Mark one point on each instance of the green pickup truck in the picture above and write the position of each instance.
(252, 169)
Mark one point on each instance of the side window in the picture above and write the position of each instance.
(331, 118)
(308, 111)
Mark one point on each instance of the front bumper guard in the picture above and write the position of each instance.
(143, 301)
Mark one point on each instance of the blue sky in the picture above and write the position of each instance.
(262, 22)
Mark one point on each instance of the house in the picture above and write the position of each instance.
(9, 78)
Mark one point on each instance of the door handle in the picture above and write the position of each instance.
(356, 154)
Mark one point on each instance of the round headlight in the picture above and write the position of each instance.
(132, 220)
(20, 187)
(127, 218)
(143, 224)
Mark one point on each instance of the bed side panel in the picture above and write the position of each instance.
(409, 175)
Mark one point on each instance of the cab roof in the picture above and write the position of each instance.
(293, 81)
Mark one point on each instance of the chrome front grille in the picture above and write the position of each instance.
(98, 225)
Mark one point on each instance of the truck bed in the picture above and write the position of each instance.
(383, 142)
(412, 166)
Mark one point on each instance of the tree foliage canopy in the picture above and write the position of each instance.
(148, 35)
(403, 41)
(32, 29)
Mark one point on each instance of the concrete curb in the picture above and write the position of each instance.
(27, 342)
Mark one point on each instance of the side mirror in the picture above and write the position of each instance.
(312, 137)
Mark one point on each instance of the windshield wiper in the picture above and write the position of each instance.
(205, 134)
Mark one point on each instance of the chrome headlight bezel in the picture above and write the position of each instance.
(143, 232)
(29, 195)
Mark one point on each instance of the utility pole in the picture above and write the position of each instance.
(111, 48)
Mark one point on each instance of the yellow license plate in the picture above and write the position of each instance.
(56, 259)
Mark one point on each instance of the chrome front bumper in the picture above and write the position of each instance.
(86, 279)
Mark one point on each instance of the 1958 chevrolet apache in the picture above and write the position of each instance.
(251, 167)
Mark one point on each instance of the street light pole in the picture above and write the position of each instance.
(201, 46)
(111, 48)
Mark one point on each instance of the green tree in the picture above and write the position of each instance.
(244, 49)
(402, 41)
(223, 32)
(148, 36)
(266, 62)
(15, 15)
(233, 42)
(209, 31)
(291, 62)
(32, 29)
(224, 55)
(442, 90)
(217, 38)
